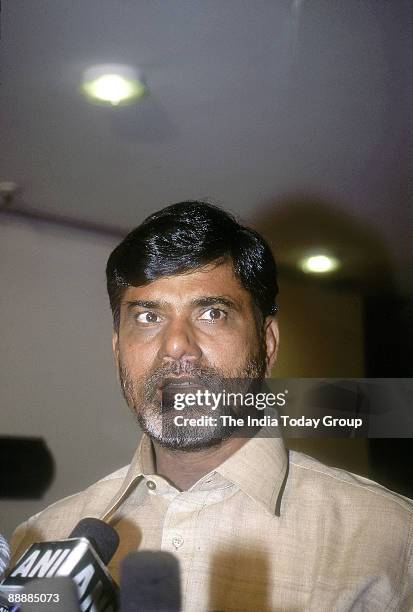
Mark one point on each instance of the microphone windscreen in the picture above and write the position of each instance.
(4, 555)
(103, 537)
(62, 589)
(150, 581)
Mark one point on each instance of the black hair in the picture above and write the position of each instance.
(186, 236)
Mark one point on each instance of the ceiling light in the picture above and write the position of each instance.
(319, 264)
(113, 84)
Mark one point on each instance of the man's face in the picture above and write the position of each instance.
(195, 328)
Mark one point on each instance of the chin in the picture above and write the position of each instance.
(187, 444)
(169, 436)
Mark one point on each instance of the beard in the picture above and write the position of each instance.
(156, 414)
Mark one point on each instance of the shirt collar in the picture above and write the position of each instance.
(259, 468)
(142, 462)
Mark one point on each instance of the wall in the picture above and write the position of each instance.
(321, 331)
(321, 336)
(57, 379)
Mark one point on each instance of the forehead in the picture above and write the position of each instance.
(211, 280)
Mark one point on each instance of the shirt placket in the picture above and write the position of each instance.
(179, 528)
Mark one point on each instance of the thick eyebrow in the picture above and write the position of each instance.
(150, 304)
(214, 300)
(203, 302)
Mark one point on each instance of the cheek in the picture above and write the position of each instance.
(137, 359)
(233, 350)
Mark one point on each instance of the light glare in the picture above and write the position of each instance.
(113, 84)
(319, 264)
(112, 88)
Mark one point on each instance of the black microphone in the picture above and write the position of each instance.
(149, 581)
(102, 536)
(82, 557)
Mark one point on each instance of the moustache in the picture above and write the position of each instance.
(196, 373)
(147, 388)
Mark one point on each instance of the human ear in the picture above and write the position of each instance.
(115, 347)
(271, 340)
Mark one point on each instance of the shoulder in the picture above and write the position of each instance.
(353, 511)
(348, 488)
(361, 530)
(57, 520)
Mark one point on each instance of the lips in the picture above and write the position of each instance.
(176, 382)
(175, 386)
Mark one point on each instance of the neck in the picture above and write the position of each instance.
(185, 468)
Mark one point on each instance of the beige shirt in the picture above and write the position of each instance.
(262, 532)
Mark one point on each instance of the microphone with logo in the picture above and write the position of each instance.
(82, 557)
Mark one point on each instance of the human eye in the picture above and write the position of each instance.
(147, 317)
(213, 314)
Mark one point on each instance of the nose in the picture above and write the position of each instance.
(179, 342)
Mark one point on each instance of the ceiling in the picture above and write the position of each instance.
(293, 114)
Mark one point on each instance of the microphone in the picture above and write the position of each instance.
(82, 557)
(6, 606)
(102, 536)
(4, 555)
(149, 582)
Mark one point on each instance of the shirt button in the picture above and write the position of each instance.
(151, 485)
(177, 541)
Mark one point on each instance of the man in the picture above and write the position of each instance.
(193, 299)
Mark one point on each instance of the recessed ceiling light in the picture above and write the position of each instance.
(113, 84)
(319, 264)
